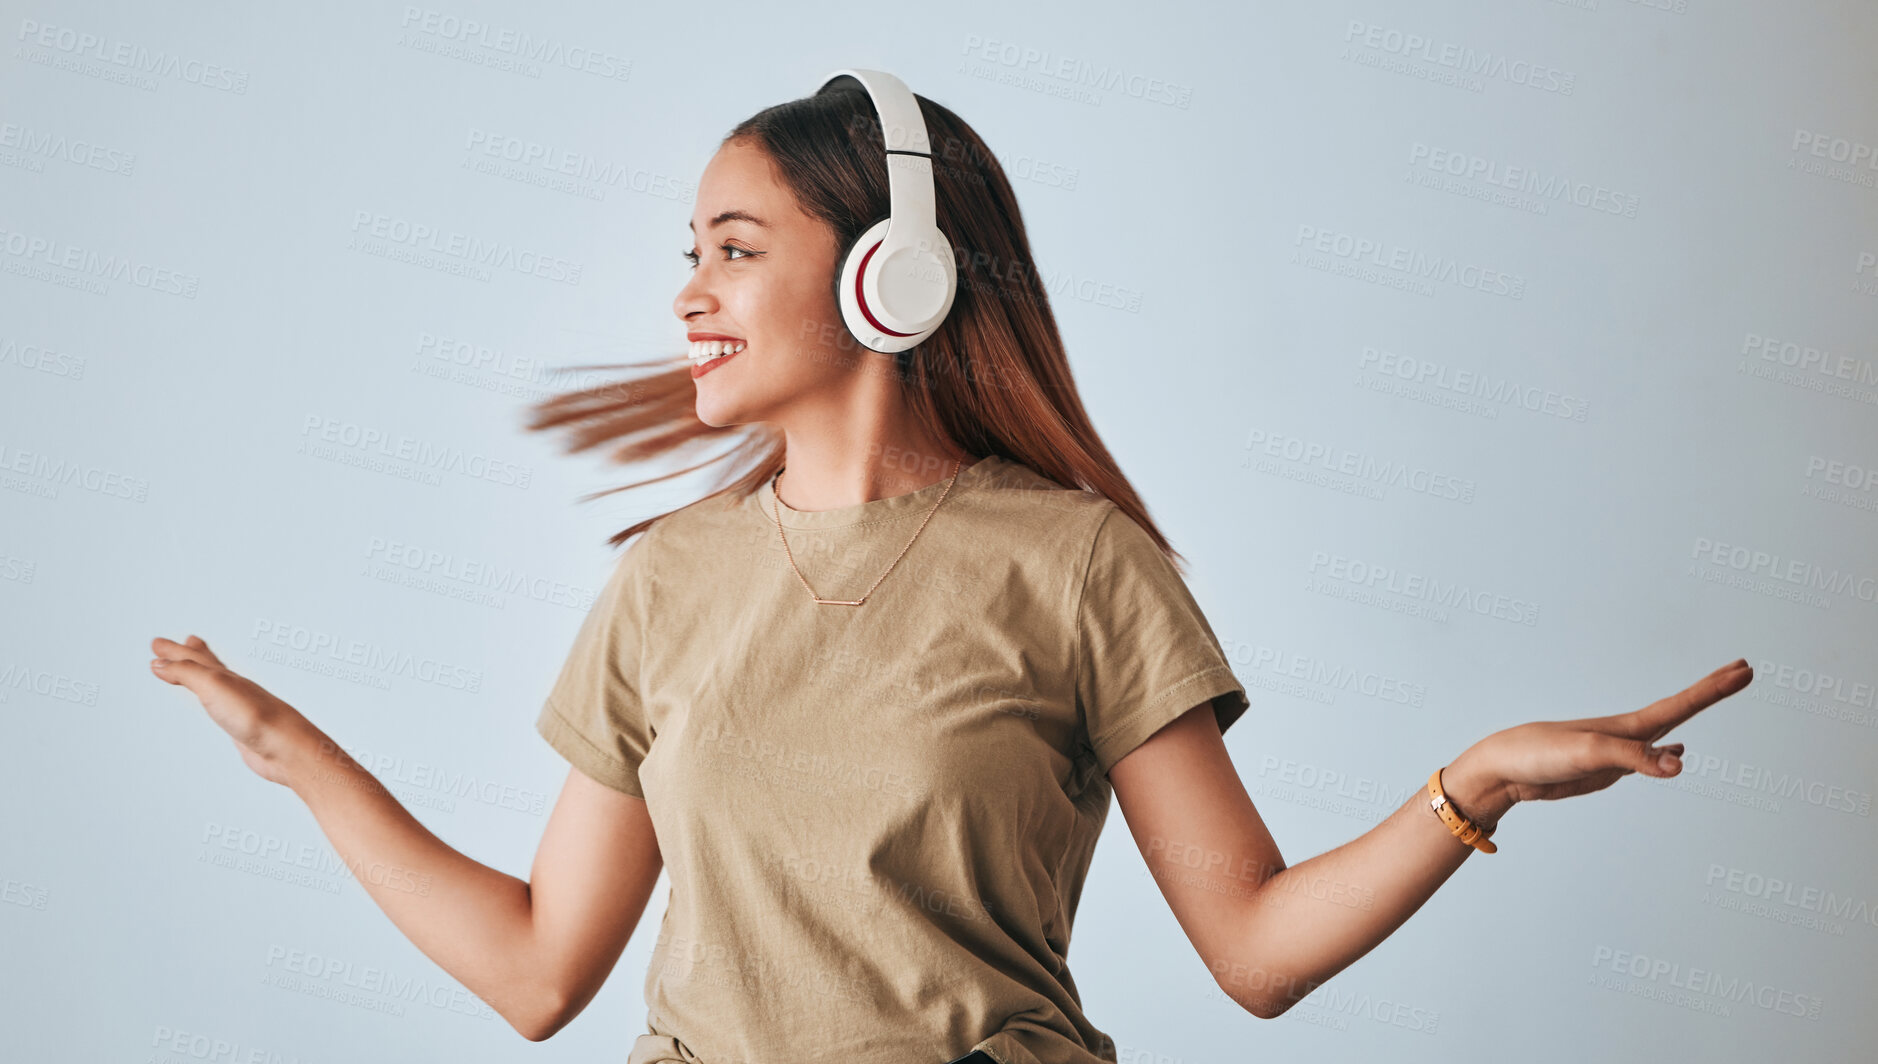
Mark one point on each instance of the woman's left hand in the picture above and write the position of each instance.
(1551, 759)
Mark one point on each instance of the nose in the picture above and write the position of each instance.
(694, 298)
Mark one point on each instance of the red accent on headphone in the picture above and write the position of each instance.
(860, 272)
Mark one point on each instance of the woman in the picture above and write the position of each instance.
(868, 701)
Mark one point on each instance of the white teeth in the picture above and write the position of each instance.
(706, 350)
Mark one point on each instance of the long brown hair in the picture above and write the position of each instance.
(994, 378)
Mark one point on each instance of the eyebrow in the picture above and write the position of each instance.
(730, 216)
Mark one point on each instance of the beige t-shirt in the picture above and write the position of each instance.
(877, 819)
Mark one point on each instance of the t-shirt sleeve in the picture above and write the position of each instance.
(595, 713)
(1147, 654)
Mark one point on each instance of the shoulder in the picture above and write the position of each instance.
(1012, 490)
(1068, 538)
(656, 549)
(1089, 530)
(690, 523)
(1125, 561)
(1117, 535)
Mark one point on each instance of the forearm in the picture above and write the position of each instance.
(1304, 924)
(475, 922)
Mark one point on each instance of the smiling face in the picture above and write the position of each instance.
(763, 274)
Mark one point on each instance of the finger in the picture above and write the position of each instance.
(1636, 755)
(1655, 720)
(184, 673)
(196, 642)
(1600, 779)
(1700, 695)
(171, 650)
(1597, 781)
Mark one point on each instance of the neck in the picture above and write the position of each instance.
(827, 471)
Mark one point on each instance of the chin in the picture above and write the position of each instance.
(722, 411)
(714, 415)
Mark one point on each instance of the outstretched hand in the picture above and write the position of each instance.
(1551, 759)
(256, 720)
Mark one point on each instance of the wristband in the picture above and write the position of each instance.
(1464, 829)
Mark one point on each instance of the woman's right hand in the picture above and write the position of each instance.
(1551, 759)
(261, 725)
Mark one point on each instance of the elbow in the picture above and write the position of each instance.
(1264, 1010)
(535, 1028)
(538, 1029)
(543, 1018)
(1267, 1010)
(1264, 1006)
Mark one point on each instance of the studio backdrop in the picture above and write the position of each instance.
(1487, 362)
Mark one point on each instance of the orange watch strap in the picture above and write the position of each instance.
(1464, 829)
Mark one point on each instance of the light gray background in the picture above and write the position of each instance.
(185, 311)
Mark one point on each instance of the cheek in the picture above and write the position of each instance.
(798, 315)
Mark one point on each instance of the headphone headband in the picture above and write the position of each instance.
(896, 282)
(899, 112)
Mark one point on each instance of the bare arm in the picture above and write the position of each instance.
(535, 951)
(594, 870)
(1272, 934)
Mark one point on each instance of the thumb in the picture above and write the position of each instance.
(182, 672)
(1662, 761)
(1635, 755)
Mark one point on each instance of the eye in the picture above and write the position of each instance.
(692, 256)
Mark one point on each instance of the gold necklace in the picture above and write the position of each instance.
(896, 558)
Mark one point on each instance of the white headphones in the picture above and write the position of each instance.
(896, 280)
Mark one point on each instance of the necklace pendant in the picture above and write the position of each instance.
(819, 601)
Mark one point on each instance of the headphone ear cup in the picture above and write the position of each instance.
(911, 287)
(924, 283)
(850, 293)
(847, 267)
(941, 251)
